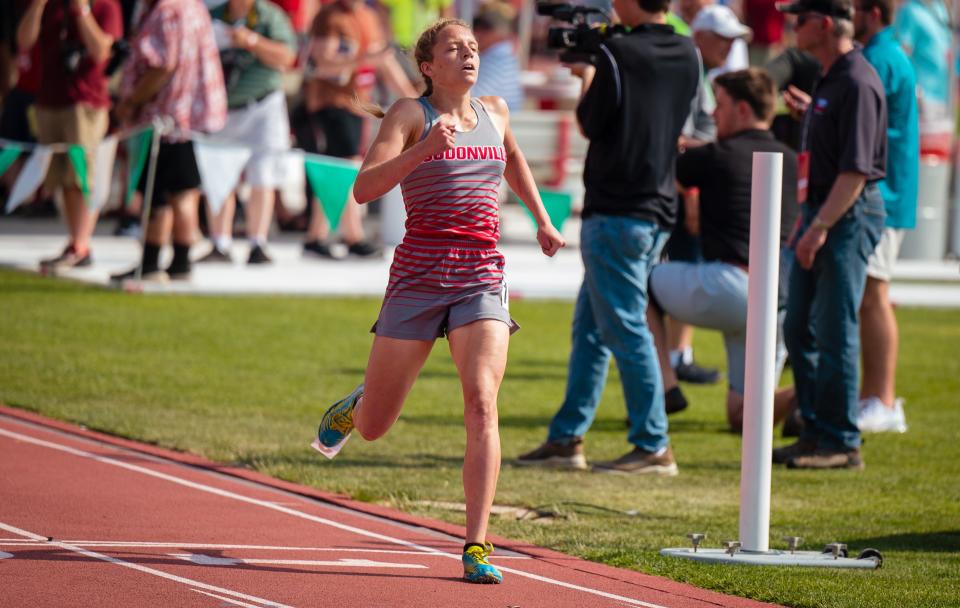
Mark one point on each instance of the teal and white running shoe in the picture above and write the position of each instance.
(476, 568)
(336, 425)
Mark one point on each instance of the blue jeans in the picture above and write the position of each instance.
(610, 319)
(822, 329)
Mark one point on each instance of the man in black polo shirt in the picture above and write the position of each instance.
(632, 112)
(845, 149)
(713, 293)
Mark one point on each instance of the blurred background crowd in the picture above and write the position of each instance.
(291, 69)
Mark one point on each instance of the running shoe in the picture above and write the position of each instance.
(336, 425)
(476, 568)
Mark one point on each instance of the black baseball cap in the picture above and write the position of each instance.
(830, 8)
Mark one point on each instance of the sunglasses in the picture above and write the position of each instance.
(804, 17)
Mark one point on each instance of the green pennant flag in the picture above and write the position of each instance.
(9, 154)
(138, 150)
(331, 180)
(558, 205)
(78, 156)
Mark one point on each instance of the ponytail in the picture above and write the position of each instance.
(370, 108)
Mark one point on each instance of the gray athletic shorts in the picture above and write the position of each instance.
(712, 295)
(410, 317)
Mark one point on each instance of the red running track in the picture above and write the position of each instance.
(91, 520)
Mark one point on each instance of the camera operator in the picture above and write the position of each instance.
(634, 105)
(75, 38)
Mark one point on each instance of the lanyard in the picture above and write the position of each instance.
(806, 116)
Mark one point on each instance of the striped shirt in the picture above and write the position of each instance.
(453, 218)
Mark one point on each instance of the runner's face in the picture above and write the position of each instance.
(456, 59)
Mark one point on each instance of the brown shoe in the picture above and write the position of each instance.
(784, 454)
(641, 462)
(828, 459)
(70, 258)
(557, 455)
(793, 423)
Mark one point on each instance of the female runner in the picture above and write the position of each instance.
(449, 153)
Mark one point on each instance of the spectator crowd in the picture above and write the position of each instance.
(842, 88)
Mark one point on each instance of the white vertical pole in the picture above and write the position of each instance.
(159, 129)
(760, 378)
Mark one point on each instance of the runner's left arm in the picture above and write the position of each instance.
(521, 181)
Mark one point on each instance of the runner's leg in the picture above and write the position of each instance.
(391, 370)
(479, 351)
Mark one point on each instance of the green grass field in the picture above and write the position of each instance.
(244, 380)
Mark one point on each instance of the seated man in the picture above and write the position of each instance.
(713, 293)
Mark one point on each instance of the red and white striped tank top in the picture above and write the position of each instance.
(453, 217)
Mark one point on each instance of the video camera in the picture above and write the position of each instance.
(580, 43)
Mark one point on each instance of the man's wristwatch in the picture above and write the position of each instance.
(820, 224)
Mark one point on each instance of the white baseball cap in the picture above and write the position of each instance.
(721, 21)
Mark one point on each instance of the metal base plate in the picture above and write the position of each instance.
(806, 559)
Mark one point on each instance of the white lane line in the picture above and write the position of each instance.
(314, 518)
(173, 545)
(140, 568)
(208, 560)
(227, 600)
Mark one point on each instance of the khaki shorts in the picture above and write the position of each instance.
(262, 125)
(77, 124)
(881, 262)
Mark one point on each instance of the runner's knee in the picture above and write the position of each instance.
(480, 411)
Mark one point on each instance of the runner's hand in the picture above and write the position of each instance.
(550, 240)
(442, 136)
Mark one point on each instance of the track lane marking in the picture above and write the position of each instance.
(140, 568)
(210, 560)
(227, 600)
(7, 542)
(314, 518)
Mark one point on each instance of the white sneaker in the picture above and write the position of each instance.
(876, 417)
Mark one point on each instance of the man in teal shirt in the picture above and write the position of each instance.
(257, 44)
(880, 410)
(923, 28)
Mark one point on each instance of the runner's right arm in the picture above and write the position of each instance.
(394, 154)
